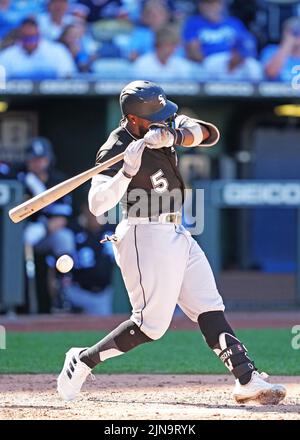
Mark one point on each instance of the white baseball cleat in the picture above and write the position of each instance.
(259, 390)
(73, 375)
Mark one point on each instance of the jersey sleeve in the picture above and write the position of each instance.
(214, 134)
(104, 155)
(113, 146)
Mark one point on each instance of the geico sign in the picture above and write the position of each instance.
(261, 194)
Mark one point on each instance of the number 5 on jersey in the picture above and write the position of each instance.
(159, 183)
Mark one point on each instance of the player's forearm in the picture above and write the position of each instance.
(196, 132)
(105, 194)
(194, 137)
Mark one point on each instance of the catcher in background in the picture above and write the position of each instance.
(162, 265)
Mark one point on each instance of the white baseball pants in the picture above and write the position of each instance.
(162, 265)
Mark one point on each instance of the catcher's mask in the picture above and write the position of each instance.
(146, 100)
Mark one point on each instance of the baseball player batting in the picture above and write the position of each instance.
(161, 264)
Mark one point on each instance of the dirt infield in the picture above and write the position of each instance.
(146, 397)
(133, 397)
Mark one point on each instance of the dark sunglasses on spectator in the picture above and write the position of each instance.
(33, 39)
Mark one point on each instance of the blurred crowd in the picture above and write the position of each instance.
(160, 40)
(56, 230)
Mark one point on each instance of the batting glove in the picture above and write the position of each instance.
(133, 158)
(159, 138)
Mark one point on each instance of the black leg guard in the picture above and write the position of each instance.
(124, 338)
(221, 338)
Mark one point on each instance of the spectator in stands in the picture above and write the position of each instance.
(73, 39)
(279, 60)
(35, 58)
(54, 21)
(163, 64)
(155, 16)
(236, 65)
(80, 14)
(46, 230)
(91, 289)
(212, 31)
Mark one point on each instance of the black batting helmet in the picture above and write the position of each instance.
(146, 100)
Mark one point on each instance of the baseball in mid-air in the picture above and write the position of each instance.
(64, 263)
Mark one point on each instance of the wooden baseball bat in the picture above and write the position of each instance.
(38, 202)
